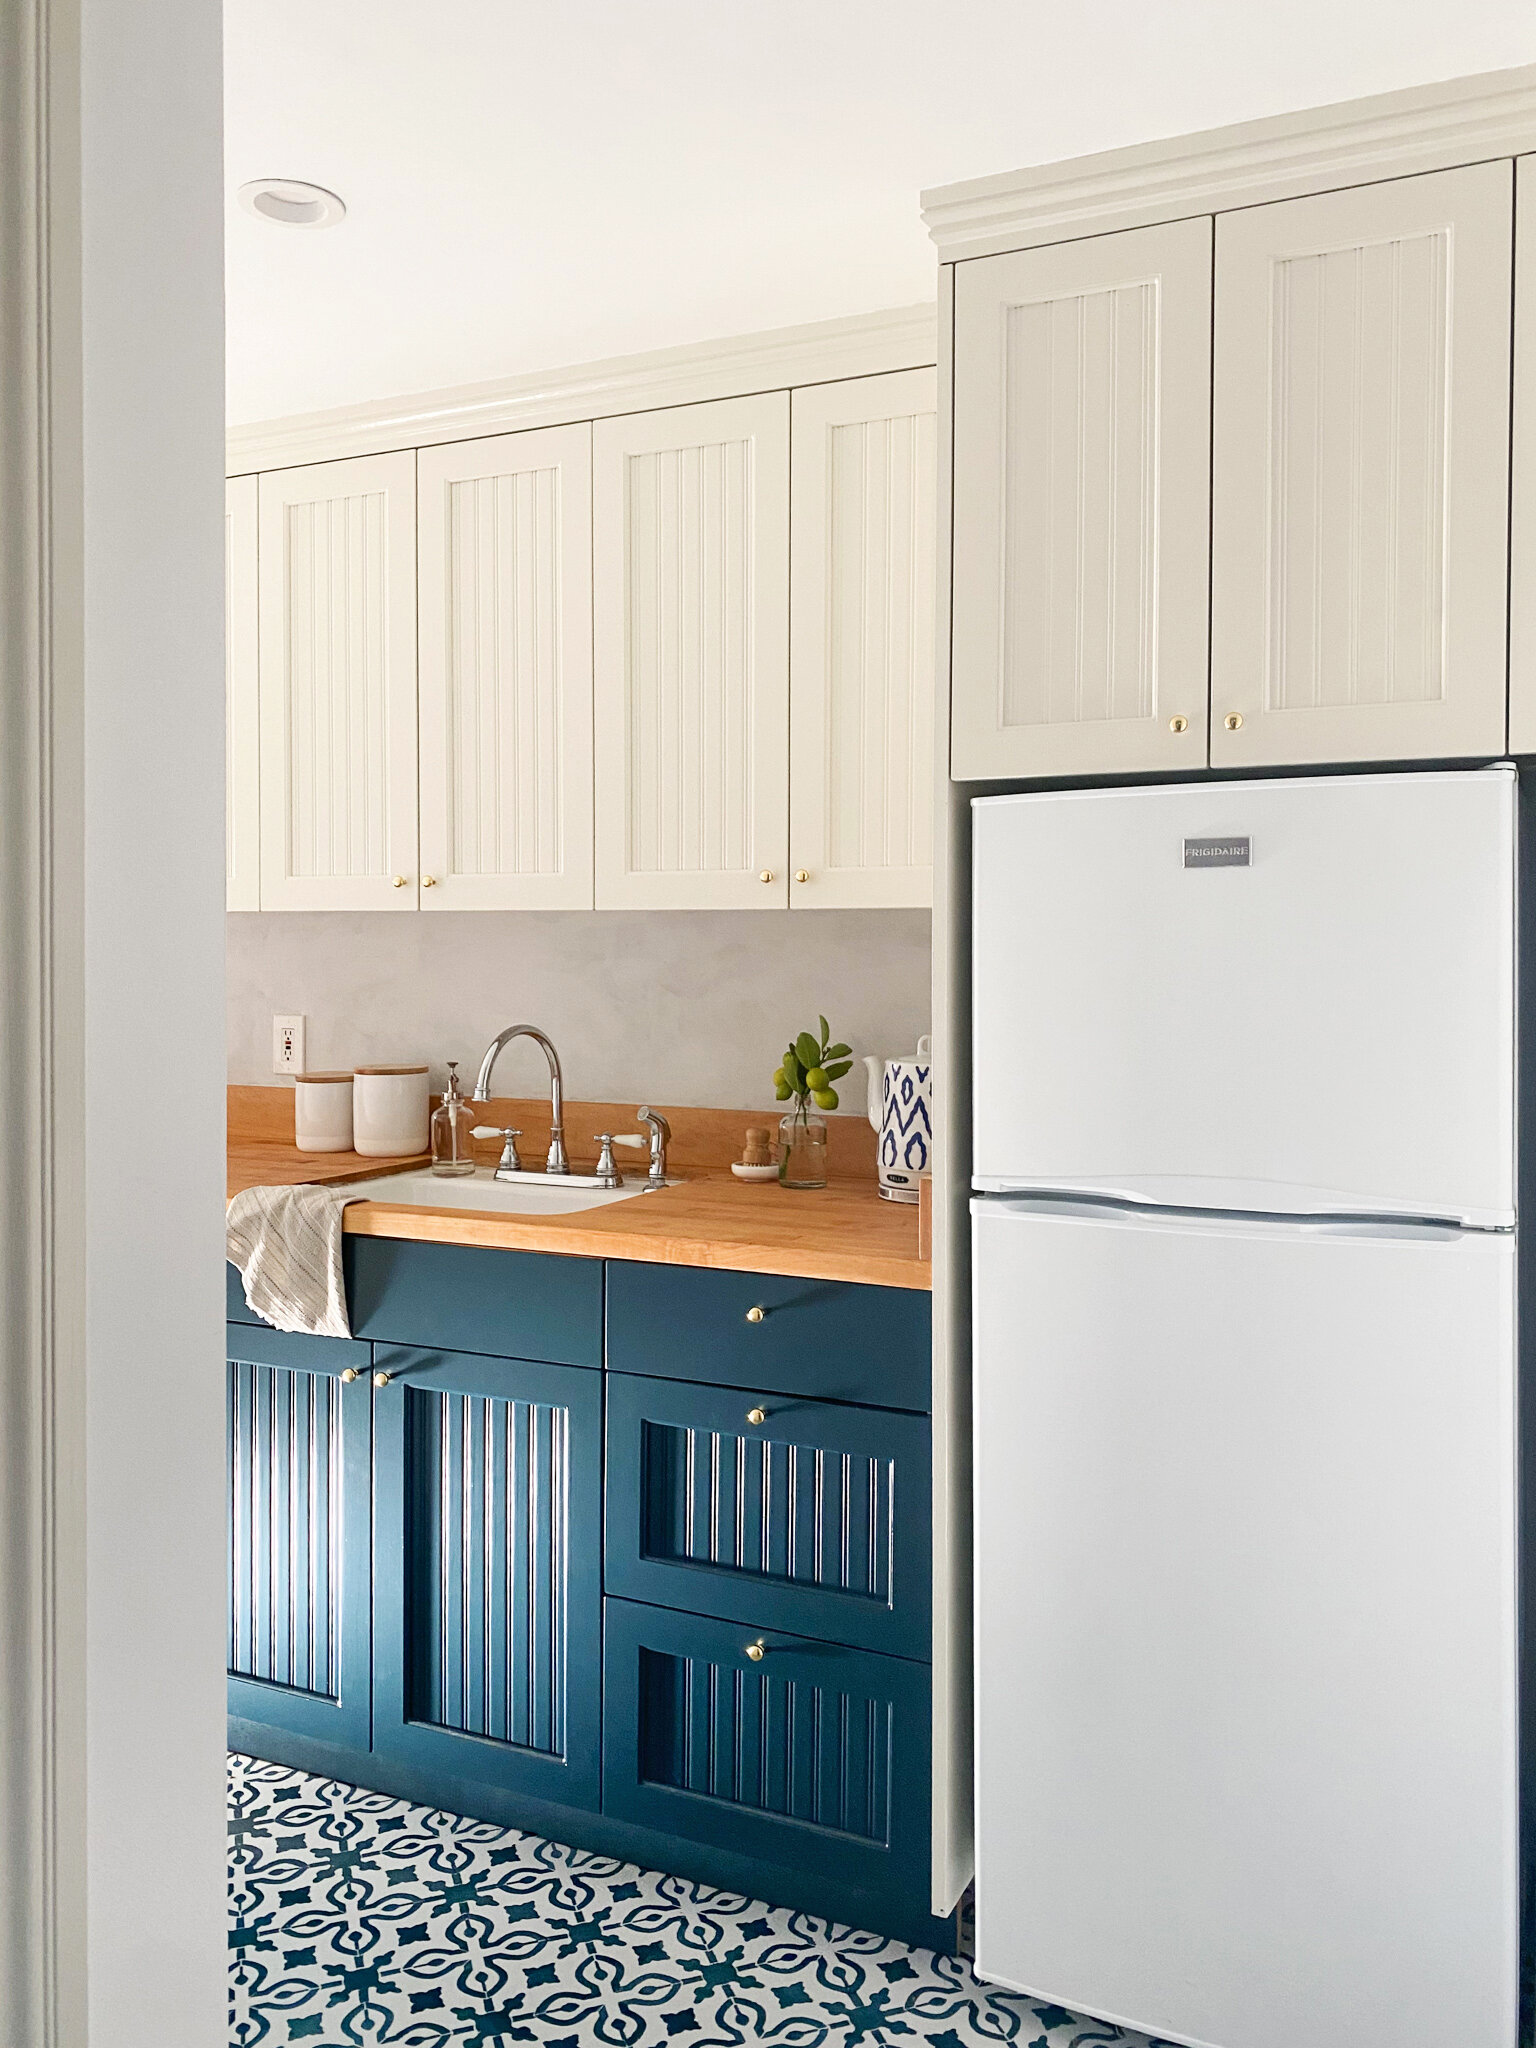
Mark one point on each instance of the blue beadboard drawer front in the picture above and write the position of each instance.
(831, 1339)
(815, 1520)
(815, 1758)
(506, 1304)
(298, 1454)
(488, 1570)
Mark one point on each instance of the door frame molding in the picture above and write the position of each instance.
(111, 1517)
(42, 1213)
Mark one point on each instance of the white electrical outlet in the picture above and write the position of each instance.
(288, 1045)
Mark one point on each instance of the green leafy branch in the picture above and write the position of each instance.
(809, 1068)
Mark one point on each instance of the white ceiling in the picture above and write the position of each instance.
(537, 185)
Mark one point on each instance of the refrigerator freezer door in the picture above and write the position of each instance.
(1245, 1584)
(1293, 996)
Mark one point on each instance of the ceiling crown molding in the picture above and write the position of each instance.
(1357, 142)
(864, 346)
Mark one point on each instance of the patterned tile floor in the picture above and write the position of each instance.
(355, 1918)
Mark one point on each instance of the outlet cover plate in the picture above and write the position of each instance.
(288, 1045)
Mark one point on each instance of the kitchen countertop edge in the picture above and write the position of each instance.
(591, 1238)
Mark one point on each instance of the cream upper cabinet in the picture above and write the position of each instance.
(338, 685)
(861, 641)
(1081, 506)
(242, 705)
(505, 678)
(1361, 463)
(691, 618)
(1522, 554)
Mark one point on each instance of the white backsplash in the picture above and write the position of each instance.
(687, 1007)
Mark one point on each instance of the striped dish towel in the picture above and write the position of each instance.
(287, 1244)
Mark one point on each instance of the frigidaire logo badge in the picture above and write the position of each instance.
(1217, 853)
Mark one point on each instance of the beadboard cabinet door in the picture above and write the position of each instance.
(242, 703)
(298, 1629)
(1361, 473)
(1082, 506)
(504, 552)
(861, 642)
(487, 1592)
(338, 685)
(691, 623)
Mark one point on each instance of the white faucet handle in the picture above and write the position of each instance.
(509, 1161)
(634, 1139)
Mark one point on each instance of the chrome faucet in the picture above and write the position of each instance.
(557, 1162)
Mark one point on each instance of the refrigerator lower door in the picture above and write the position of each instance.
(1246, 1640)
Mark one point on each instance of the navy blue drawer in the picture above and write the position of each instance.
(813, 1758)
(298, 1456)
(508, 1304)
(814, 1519)
(830, 1339)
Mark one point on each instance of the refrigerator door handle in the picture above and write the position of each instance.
(1200, 1194)
(1249, 1222)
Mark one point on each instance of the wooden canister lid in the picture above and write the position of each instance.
(305, 1080)
(389, 1070)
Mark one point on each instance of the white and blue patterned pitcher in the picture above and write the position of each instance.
(900, 1108)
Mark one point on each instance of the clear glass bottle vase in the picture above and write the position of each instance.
(803, 1150)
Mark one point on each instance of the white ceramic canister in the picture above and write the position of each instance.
(391, 1111)
(322, 1112)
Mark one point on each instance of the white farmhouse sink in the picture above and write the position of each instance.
(481, 1190)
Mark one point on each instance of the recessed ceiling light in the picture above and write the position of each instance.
(292, 203)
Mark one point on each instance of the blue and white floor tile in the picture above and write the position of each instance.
(355, 1918)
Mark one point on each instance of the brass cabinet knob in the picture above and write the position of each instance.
(757, 1417)
(766, 875)
(757, 1651)
(382, 1379)
(802, 875)
(1178, 723)
(756, 1313)
(350, 1375)
(429, 881)
(1233, 721)
(399, 881)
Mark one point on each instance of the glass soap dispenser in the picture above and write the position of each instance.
(451, 1127)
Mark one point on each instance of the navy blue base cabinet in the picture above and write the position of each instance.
(635, 1557)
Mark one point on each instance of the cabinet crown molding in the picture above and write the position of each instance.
(864, 345)
(1354, 142)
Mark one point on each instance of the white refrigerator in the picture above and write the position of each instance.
(1245, 1407)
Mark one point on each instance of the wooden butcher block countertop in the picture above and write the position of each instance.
(709, 1218)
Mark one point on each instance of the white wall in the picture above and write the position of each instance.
(690, 1007)
(153, 619)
